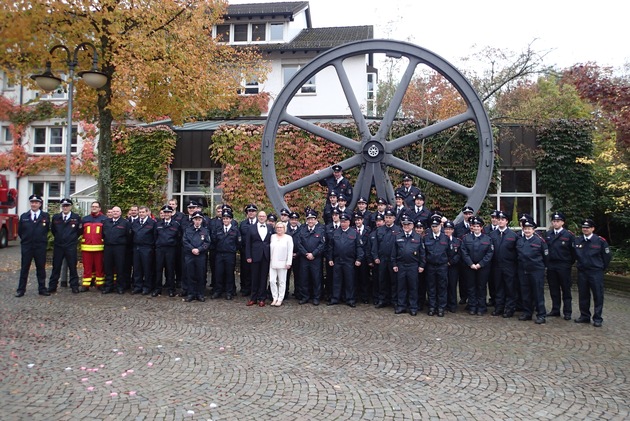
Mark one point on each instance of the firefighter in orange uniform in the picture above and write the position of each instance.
(92, 248)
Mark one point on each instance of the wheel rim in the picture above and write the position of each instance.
(374, 153)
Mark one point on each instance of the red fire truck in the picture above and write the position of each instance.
(8, 221)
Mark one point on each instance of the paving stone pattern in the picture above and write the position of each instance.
(96, 357)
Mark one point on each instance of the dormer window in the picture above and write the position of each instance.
(249, 33)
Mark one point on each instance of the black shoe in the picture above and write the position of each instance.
(75, 290)
(332, 303)
(120, 291)
(540, 320)
(498, 312)
(172, 294)
(19, 294)
(490, 303)
(399, 311)
(52, 290)
(553, 314)
(136, 291)
(106, 291)
(524, 317)
(413, 312)
(351, 304)
(508, 314)
(189, 298)
(567, 317)
(472, 312)
(366, 301)
(315, 302)
(481, 313)
(440, 313)
(156, 293)
(44, 292)
(303, 301)
(380, 305)
(84, 289)
(431, 312)
(228, 297)
(201, 298)
(462, 301)
(582, 320)
(215, 296)
(597, 323)
(146, 292)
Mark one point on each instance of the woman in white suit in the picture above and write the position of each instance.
(281, 258)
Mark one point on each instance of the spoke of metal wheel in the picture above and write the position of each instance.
(428, 176)
(394, 105)
(362, 126)
(314, 178)
(362, 186)
(425, 132)
(340, 140)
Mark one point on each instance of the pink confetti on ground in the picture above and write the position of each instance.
(140, 347)
(132, 393)
(113, 394)
(84, 379)
(102, 366)
(129, 371)
(82, 368)
(120, 353)
(124, 374)
(108, 382)
(91, 388)
(150, 364)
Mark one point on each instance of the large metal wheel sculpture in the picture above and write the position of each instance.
(374, 153)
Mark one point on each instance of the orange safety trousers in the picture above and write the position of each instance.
(93, 268)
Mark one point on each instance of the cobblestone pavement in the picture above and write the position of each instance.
(95, 357)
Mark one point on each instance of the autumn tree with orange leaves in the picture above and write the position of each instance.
(160, 56)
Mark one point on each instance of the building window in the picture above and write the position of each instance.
(371, 94)
(7, 85)
(249, 88)
(259, 32)
(289, 71)
(223, 33)
(198, 185)
(240, 32)
(51, 192)
(58, 94)
(52, 140)
(5, 135)
(276, 31)
(519, 192)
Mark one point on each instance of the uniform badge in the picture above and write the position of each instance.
(607, 250)
(203, 237)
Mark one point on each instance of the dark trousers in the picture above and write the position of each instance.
(363, 282)
(451, 298)
(477, 281)
(212, 258)
(30, 253)
(463, 282)
(246, 275)
(387, 283)
(114, 261)
(127, 271)
(328, 281)
(165, 264)
(559, 280)
(223, 274)
(260, 273)
(505, 283)
(533, 292)
(196, 274)
(591, 282)
(407, 285)
(143, 265)
(295, 270)
(343, 280)
(310, 280)
(59, 254)
(437, 284)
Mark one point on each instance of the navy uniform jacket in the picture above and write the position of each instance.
(66, 233)
(367, 217)
(532, 253)
(461, 229)
(167, 236)
(423, 215)
(116, 235)
(143, 235)
(504, 247)
(436, 250)
(342, 187)
(365, 241)
(223, 242)
(400, 212)
(477, 250)
(382, 241)
(311, 242)
(196, 238)
(34, 233)
(561, 248)
(454, 251)
(409, 197)
(592, 254)
(327, 214)
(345, 247)
(244, 227)
(408, 251)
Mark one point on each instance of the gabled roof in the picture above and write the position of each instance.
(323, 38)
(287, 9)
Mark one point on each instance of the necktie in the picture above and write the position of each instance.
(310, 230)
(115, 221)
(226, 229)
(406, 235)
(65, 218)
(262, 226)
(435, 237)
(501, 234)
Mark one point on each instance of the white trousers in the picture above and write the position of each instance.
(277, 283)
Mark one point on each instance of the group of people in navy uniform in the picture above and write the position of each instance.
(401, 255)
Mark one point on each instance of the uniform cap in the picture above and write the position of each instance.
(467, 209)
(381, 201)
(476, 221)
(420, 224)
(197, 215)
(419, 196)
(502, 215)
(333, 193)
(336, 211)
(378, 217)
(192, 204)
(344, 216)
(449, 224)
(398, 196)
(407, 177)
(529, 223)
(251, 207)
(35, 198)
(342, 197)
(406, 220)
(285, 211)
(361, 200)
(272, 217)
(66, 202)
(311, 214)
(294, 215)
(495, 213)
(357, 216)
(389, 212)
(436, 221)
(227, 213)
(588, 223)
(558, 215)
(166, 208)
(336, 168)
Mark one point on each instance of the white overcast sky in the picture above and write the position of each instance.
(573, 31)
